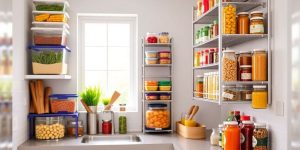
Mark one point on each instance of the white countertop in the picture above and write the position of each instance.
(148, 142)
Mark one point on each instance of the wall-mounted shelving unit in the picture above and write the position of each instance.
(223, 41)
(145, 76)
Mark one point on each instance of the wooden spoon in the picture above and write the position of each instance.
(195, 110)
(114, 97)
(87, 108)
(191, 110)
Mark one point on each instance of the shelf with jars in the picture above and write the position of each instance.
(222, 73)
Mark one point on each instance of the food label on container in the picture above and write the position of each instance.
(227, 95)
(242, 138)
(246, 76)
(259, 143)
(258, 28)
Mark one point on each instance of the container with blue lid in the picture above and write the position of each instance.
(63, 103)
(157, 116)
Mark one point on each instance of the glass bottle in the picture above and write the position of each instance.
(122, 119)
(214, 137)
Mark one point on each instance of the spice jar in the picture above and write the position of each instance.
(199, 86)
(257, 25)
(232, 136)
(197, 59)
(259, 65)
(246, 72)
(71, 128)
(246, 93)
(216, 55)
(256, 14)
(211, 56)
(245, 58)
(122, 107)
(229, 19)
(259, 97)
(215, 28)
(260, 137)
(247, 134)
(164, 37)
(229, 66)
(243, 23)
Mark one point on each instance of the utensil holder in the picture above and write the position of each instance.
(92, 123)
(93, 108)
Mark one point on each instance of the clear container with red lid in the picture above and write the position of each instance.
(151, 37)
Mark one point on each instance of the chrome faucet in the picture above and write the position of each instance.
(112, 119)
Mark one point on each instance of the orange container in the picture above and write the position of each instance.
(151, 83)
(232, 136)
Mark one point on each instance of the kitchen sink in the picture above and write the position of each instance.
(111, 139)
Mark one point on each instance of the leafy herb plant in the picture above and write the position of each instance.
(47, 57)
(91, 95)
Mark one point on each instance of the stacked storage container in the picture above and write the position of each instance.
(50, 37)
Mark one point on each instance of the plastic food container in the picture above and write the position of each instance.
(150, 61)
(49, 128)
(50, 36)
(164, 37)
(165, 96)
(151, 37)
(151, 96)
(164, 83)
(151, 54)
(49, 59)
(151, 83)
(151, 88)
(48, 5)
(63, 103)
(165, 54)
(50, 16)
(51, 24)
(165, 88)
(157, 116)
(165, 61)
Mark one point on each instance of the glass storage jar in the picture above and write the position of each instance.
(205, 33)
(260, 97)
(49, 128)
(260, 137)
(230, 93)
(202, 58)
(229, 66)
(216, 88)
(243, 23)
(256, 14)
(246, 72)
(246, 93)
(164, 37)
(211, 56)
(215, 28)
(245, 58)
(229, 19)
(257, 25)
(71, 128)
(216, 55)
(259, 65)
(210, 85)
(206, 58)
(157, 116)
(199, 86)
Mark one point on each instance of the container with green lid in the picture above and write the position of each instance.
(164, 83)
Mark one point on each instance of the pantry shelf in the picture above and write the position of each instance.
(54, 77)
(246, 83)
(159, 131)
(157, 44)
(157, 101)
(158, 65)
(206, 100)
(208, 44)
(209, 66)
(157, 91)
(245, 6)
(236, 102)
(157, 77)
(207, 17)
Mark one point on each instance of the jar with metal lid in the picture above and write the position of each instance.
(259, 65)
(199, 86)
(49, 128)
(243, 23)
(122, 107)
(164, 37)
(246, 72)
(229, 66)
(256, 14)
(157, 116)
(216, 55)
(245, 58)
(246, 93)
(257, 25)
(71, 128)
(260, 97)
(230, 93)
(260, 137)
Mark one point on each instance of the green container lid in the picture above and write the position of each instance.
(164, 83)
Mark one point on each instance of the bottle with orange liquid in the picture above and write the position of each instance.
(232, 136)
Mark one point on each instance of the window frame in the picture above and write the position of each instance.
(132, 20)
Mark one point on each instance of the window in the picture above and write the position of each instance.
(108, 55)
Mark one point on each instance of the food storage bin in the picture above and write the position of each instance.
(165, 54)
(50, 16)
(151, 61)
(47, 5)
(157, 116)
(165, 96)
(229, 66)
(49, 128)
(229, 19)
(151, 88)
(71, 128)
(49, 59)
(151, 96)
(63, 103)
(151, 54)
(164, 37)
(51, 25)
(230, 93)
(164, 83)
(151, 83)
(165, 88)
(151, 38)
(50, 36)
(165, 61)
